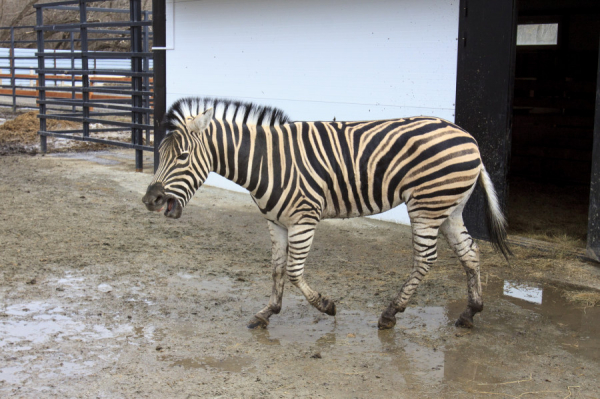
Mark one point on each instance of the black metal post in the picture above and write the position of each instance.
(593, 236)
(12, 69)
(159, 41)
(146, 68)
(135, 8)
(85, 78)
(39, 20)
(73, 96)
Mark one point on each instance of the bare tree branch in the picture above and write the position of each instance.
(15, 13)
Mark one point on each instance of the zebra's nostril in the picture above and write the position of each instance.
(158, 199)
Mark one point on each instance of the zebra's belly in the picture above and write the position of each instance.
(332, 213)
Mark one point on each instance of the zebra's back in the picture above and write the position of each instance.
(364, 168)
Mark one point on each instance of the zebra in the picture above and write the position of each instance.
(299, 173)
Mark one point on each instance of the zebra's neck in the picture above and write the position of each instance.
(239, 153)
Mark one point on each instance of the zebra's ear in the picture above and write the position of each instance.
(200, 122)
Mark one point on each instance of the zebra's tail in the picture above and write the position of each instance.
(495, 219)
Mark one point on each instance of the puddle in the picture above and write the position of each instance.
(579, 324)
(534, 316)
(34, 323)
(356, 333)
(37, 322)
(424, 349)
(12, 374)
(40, 328)
(414, 347)
(70, 369)
(215, 286)
(428, 359)
(151, 333)
(71, 281)
(523, 291)
(233, 364)
(298, 323)
(70, 286)
(23, 370)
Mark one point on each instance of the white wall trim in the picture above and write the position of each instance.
(169, 26)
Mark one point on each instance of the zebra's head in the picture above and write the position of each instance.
(184, 163)
(186, 152)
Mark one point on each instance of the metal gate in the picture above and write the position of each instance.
(105, 91)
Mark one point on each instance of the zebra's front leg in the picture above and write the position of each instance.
(279, 255)
(300, 239)
(425, 255)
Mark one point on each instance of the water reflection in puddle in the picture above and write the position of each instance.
(41, 326)
(523, 291)
(356, 332)
(233, 364)
(580, 324)
(214, 286)
(414, 347)
(150, 332)
(348, 326)
(38, 322)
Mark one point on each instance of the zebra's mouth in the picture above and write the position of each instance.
(174, 208)
(156, 198)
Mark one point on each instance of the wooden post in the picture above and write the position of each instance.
(160, 74)
(41, 93)
(484, 93)
(593, 236)
(13, 81)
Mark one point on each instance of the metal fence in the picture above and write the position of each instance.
(18, 76)
(103, 91)
(17, 69)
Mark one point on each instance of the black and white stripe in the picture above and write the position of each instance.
(301, 172)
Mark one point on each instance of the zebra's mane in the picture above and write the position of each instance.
(227, 110)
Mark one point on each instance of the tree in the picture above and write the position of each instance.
(15, 13)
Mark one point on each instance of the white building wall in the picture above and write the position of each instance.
(317, 59)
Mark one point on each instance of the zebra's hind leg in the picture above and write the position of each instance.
(467, 251)
(425, 234)
(279, 244)
(300, 239)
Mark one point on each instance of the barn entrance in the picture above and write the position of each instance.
(556, 70)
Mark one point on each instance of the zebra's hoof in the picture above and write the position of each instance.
(385, 322)
(328, 306)
(258, 322)
(464, 322)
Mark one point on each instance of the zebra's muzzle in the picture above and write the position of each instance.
(156, 199)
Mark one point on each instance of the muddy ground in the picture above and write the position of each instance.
(19, 134)
(103, 299)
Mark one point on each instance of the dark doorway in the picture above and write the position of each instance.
(553, 119)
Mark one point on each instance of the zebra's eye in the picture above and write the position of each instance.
(183, 156)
